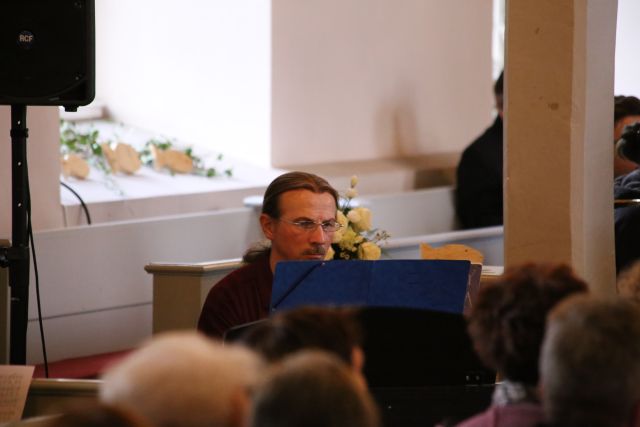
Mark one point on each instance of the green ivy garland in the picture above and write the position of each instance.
(86, 145)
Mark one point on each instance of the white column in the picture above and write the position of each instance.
(558, 135)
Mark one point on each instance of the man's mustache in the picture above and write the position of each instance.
(315, 250)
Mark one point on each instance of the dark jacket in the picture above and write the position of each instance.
(479, 180)
(627, 220)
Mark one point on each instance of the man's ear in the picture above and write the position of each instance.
(357, 364)
(267, 223)
(357, 358)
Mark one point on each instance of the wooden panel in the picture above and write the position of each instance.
(179, 291)
(413, 213)
(102, 266)
(489, 241)
(89, 333)
(51, 396)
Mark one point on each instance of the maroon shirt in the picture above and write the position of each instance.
(242, 296)
(523, 414)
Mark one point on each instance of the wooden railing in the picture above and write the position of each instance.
(52, 396)
(180, 289)
(48, 398)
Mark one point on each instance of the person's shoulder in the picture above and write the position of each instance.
(478, 420)
(491, 136)
(240, 273)
(246, 274)
(522, 414)
(628, 186)
(489, 143)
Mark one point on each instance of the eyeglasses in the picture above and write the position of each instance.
(308, 225)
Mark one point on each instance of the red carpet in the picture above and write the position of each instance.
(87, 367)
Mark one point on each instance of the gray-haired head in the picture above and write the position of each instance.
(590, 362)
(184, 379)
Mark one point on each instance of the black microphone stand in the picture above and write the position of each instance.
(16, 257)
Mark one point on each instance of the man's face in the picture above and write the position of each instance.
(290, 242)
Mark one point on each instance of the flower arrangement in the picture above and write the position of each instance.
(90, 148)
(355, 239)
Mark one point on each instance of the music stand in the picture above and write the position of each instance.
(424, 284)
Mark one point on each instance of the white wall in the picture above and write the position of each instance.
(197, 70)
(368, 79)
(627, 72)
(43, 148)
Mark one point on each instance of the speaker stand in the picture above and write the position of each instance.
(16, 257)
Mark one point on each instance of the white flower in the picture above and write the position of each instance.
(355, 238)
(349, 240)
(344, 222)
(369, 251)
(360, 218)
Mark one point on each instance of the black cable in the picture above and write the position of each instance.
(84, 206)
(35, 269)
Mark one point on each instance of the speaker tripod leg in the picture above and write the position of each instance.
(19, 261)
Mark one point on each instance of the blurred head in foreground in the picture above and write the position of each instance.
(313, 389)
(184, 379)
(590, 370)
(507, 322)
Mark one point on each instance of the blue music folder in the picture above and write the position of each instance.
(427, 284)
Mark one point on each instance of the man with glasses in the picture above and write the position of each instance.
(298, 219)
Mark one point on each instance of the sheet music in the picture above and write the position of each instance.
(14, 385)
(492, 270)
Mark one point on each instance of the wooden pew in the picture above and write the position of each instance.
(179, 289)
(489, 241)
(48, 398)
(52, 396)
(39, 421)
(412, 213)
(92, 282)
(96, 298)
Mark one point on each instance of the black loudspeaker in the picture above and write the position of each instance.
(47, 52)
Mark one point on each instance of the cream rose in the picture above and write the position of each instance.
(354, 216)
(349, 240)
(369, 251)
(354, 181)
(351, 193)
(344, 222)
(360, 218)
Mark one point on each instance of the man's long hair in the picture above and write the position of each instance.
(271, 202)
